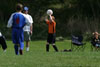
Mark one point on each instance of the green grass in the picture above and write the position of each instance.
(38, 57)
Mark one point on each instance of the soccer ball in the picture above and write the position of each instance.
(49, 12)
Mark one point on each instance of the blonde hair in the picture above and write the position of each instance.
(95, 33)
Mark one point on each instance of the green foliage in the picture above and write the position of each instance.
(72, 16)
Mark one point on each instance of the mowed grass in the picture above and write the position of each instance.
(38, 57)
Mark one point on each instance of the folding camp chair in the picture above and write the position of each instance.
(77, 44)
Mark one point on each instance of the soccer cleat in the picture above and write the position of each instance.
(21, 52)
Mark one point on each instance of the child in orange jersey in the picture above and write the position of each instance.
(51, 32)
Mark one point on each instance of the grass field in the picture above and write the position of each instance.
(38, 57)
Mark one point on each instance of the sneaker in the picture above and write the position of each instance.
(27, 48)
(4, 50)
(21, 52)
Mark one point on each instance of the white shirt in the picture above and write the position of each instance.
(0, 34)
(10, 21)
(27, 27)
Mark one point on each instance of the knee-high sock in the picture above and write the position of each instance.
(54, 46)
(21, 48)
(47, 47)
(21, 45)
(16, 49)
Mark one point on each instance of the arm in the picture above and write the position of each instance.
(51, 19)
(31, 28)
(10, 21)
(46, 20)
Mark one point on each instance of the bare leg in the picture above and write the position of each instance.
(27, 45)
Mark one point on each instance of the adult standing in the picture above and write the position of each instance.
(27, 28)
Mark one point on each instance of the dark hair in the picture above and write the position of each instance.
(19, 7)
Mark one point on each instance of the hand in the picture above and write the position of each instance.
(46, 18)
(30, 32)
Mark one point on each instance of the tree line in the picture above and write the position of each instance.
(72, 16)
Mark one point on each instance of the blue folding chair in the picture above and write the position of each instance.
(76, 43)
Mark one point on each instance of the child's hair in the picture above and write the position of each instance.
(95, 33)
(19, 7)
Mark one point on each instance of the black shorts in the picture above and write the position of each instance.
(51, 38)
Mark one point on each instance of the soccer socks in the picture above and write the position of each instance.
(21, 45)
(27, 48)
(21, 48)
(47, 47)
(54, 46)
(16, 49)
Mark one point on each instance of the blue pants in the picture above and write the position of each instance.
(18, 37)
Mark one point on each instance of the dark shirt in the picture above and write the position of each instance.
(96, 41)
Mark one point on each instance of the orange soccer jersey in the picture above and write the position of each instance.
(51, 26)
